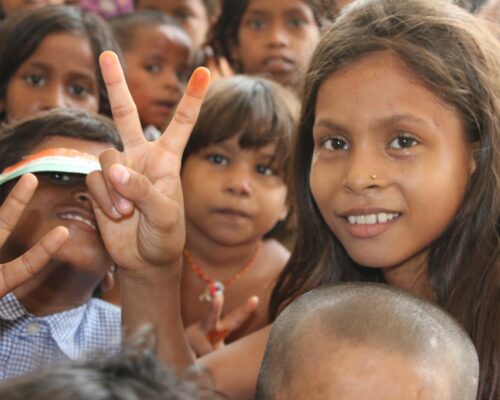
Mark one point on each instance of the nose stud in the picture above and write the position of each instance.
(373, 176)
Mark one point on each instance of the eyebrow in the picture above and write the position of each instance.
(384, 123)
(78, 74)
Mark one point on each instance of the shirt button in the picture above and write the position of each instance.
(33, 328)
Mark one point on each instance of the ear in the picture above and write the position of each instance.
(473, 155)
(108, 281)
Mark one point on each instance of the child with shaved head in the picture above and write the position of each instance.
(360, 341)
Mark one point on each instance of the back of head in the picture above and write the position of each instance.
(21, 34)
(372, 316)
(132, 375)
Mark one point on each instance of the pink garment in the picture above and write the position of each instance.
(107, 8)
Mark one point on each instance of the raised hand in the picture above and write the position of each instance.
(137, 195)
(138, 203)
(18, 271)
(209, 334)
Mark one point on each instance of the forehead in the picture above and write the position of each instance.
(87, 146)
(380, 86)
(278, 7)
(160, 36)
(74, 49)
(168, 6)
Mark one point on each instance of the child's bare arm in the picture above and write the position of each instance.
(18, 271)
(137, 198)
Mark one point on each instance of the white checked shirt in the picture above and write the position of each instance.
(28, 342)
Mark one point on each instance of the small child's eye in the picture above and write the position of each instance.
(35, 80)
(153, 68)
(264, 170)
(336, 143)
(256, 23)
(182, 15)
(218, 159)
(403, 142)
(296, 22)
(78, 90)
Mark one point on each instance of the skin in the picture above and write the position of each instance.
(59, 74)
(276, 39)
(12, 6)
(192, 15)
(83, 261)
(348, 371)
(157, 67)
(411, 141)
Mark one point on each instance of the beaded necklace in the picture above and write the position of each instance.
(215, 287)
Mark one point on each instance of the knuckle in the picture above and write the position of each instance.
(123, 110)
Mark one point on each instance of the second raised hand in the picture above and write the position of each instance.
(137, 196)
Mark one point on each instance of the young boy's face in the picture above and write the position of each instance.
(277, 39)
(231, 195)
(59, 74)
(192, 14)
(63, 199)
(157, 71)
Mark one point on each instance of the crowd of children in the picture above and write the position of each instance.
(368, 128)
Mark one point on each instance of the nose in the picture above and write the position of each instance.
(239, 181)
(364, 171)
(171, 80)
(278, 36)
(54, 97)
(82, 197)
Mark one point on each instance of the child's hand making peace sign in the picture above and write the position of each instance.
(137, 198)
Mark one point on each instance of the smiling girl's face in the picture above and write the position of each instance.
(390, 163)
(59, 74)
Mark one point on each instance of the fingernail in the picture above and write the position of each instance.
(124, 204)
(121, 174)
(115, 213)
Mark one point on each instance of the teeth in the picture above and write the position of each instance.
(371, 219)
(78, 217)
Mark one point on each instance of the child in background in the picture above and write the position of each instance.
(371, 341)
(9, 7)
(52, 317)
(48, 59)
(396, 173)
(157, 54)
(271, 38)
(195, 16)
(235, 193)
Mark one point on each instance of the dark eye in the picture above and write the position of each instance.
(296, 22)
(403, 142)
(218, 159)
(153, 68)
(264, 170)
(78, 90)
(63, 177)
(182, 15)
(35, 80)
(336, 143)
(256, 23)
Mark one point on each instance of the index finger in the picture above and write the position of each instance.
(177, 133)
(123, 107)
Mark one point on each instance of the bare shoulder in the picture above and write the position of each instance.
(274, 256)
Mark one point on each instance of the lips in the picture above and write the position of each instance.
(233, 212)
(278, 64)
(166, 106)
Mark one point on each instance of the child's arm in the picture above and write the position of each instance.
(138, 203)
(18, 271)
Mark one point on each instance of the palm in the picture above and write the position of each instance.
(152, 233)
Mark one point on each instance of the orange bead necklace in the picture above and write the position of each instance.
(215, 287)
